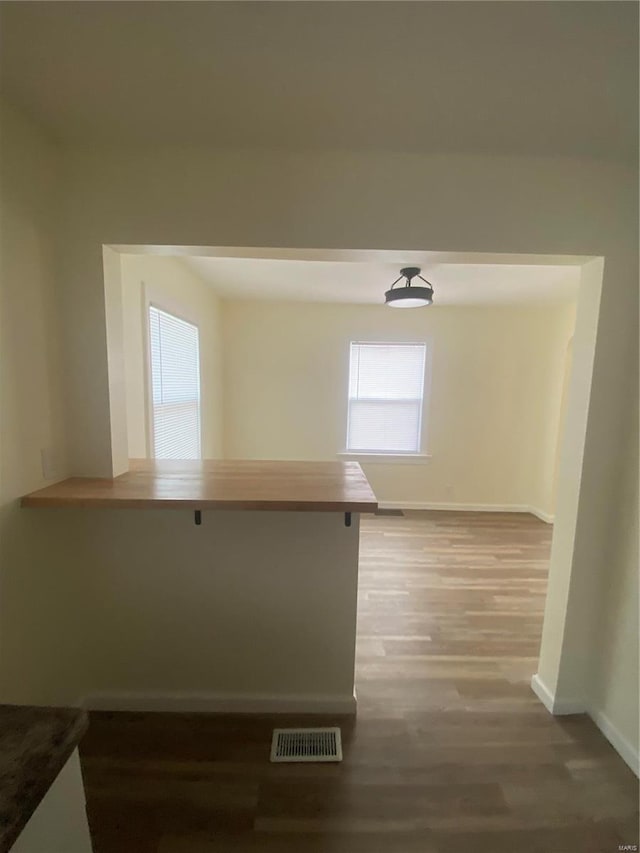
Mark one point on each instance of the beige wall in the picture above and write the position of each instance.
(218, 616)
(149, 611)
(113, 310)
(31, 382)
(547, 391)
(613, 651)
(169, 284)
(491, 409)
(32, 414)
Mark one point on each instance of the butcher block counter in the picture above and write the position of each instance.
(219, 484)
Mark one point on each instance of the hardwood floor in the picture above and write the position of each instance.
(450, 752)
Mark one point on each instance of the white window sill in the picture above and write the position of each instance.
(387, 458)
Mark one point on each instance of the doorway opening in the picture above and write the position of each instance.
(503, 420)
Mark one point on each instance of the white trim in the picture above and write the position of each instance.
(462, 507)
(547, 517)
(221, 703)
(555, 705)
(541, 691)
(617, 740)
(455, 507)
(386, 458)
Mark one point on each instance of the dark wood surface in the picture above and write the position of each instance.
(450, 751)
(218, 484)
(35, 744)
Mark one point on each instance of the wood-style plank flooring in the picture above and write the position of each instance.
(450, 752)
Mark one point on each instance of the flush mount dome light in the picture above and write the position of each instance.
(409, 295)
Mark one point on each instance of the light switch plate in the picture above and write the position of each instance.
(50, 462)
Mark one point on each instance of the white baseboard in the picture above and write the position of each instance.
(456, 507)
(462, 507)
(221, 703)
(556, 705)
(617, 740)
(542, 692)
(542, 515)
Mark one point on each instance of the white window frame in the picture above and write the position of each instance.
(381, 456)
(168, 308)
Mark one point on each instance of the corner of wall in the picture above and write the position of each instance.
(116, 361)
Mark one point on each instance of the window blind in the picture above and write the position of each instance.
(175, 386)
(386, 388)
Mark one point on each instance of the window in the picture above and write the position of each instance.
(175, 386)
(386, 392)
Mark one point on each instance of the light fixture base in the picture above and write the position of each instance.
(410, 272)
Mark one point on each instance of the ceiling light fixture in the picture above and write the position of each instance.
(409, 296)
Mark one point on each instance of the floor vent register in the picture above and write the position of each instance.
(289, 745)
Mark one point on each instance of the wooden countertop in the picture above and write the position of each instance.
(35, 744)
(219, 484)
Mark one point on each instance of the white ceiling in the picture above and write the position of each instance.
(365, 283)
(523, 78)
